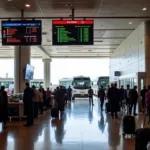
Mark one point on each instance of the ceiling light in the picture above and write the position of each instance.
(116, 41)
(27, 5)
(68, 5)
(130, 22)
(144, 9)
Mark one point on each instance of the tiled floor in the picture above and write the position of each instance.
(81, 128)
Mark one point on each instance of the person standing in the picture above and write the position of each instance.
(69, 91)
(114, 95)
(101, 95)
(122, 94)
(127, 91)
(147, 102)
(40, 105)
(133, 99)
(28, 104)
(90, 93)
(108, 87)
(143, 94)
(3, 105)
(63, 88)
(35, 101)
(48, 97)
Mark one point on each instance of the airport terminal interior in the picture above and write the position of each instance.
(46, 29)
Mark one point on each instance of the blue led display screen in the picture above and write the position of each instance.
(21, 32)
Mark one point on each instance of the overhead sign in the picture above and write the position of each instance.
(21, 32)
(117, 73)
(72, 32)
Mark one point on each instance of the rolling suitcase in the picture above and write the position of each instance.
(128, 125)
(142, 137)
(107, 107)
(54, 112)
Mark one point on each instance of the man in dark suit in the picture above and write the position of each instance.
(133, 99)
(69, 91)
(28, 104)
(101, 95)
(143, 94)
(3, 106)
(114, 97)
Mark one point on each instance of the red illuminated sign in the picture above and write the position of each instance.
(72, 22)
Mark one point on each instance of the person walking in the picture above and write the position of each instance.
(143, 94)
(3, 106)
(35, 101)
(90, 93)
(69, 91)
(147, 102)
(101, 95)
(133, 100)
(114, 95)
(60, 99)
(28, 104)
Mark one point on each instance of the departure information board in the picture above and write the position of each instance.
(21, 32)
(72, 32)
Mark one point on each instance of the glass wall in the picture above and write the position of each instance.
(130, 81)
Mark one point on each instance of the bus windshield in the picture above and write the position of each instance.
(103, 82)
(81, 83)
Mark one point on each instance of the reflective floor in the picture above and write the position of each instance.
(81, 128)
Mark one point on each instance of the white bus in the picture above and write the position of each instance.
(66, 82)
(98, 82)
(9, 83)
(80, 86)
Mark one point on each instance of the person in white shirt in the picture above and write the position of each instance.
(127, 96)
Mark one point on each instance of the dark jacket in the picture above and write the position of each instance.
(69, 91)
(90, 92)
(133, 96)
(3, 106)
(122, 94)
(60, 99)
(101, 93)
(143, 93)
(114, 98)
(28, 101)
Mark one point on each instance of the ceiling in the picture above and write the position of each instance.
(109, 33)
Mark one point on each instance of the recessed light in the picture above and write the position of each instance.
(130, 22)
(68, 5)
(27, 5)
(144, 9)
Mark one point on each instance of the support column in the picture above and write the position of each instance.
(47, 73)
(21, 59)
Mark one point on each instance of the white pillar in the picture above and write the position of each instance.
(47, 71)
(21, 59)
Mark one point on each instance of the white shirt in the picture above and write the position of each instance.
(128, 93)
